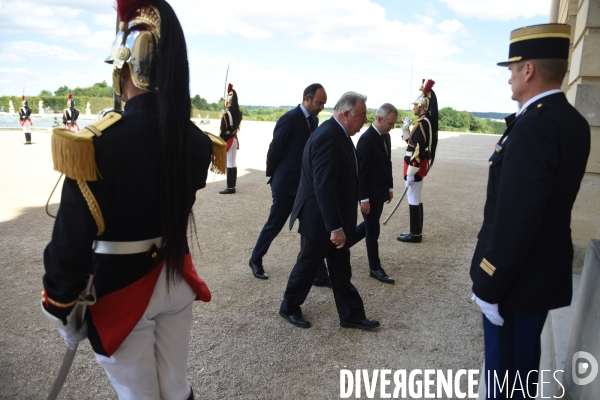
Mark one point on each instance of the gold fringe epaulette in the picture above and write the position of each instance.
(73, 152)
(218, 158)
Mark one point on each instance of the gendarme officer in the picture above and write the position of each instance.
(521, 268)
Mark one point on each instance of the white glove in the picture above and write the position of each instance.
(70, 332)
(489, 310)
(410, 179)
(406, 129)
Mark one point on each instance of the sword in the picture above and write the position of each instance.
(396, 206)
(86, 298)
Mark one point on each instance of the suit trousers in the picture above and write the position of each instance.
(511, 348)
(369, 230)
(280, 211)
(151, 363)
(347, 299)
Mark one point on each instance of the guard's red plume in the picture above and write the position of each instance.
(428, 86)
(23, 98)
(127, 8)
(70, 96)
(229, 88)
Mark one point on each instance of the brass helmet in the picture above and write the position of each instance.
(70, 101)
(136, 44)
(24, 102)
(425, 96)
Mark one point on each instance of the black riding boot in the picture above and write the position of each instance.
(415, 226)
(231, 175)
(234, 178)
(27, 138)
(421, 207)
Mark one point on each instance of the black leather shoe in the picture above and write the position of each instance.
(227, 191)
(364, 324)
(296, 320)
(410, 238)
(381, 276)
(324, 281)
(257, 270)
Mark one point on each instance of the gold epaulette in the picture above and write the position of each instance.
(73, 152)
(218, 158)
(73, 155)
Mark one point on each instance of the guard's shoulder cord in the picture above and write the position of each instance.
(430, 134)
(73, 155)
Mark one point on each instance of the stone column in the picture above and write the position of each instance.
(554, 6)
(582, 87)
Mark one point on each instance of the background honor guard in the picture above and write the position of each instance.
(230, 125)
(522, 266)
(284, 162)
(421, 143)
(375, 184)
(25, 119)
(70, 114)
(125, 216)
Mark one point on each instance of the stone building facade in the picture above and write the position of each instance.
(582, 86)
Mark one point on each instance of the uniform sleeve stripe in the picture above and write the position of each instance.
(489, 264)
(486, 269)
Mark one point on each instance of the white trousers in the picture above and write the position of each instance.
(231, 153)
(414, 193)
(151, 364)
(27, 127)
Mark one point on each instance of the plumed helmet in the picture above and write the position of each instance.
(136, 43)
(425, 96)
(24, 102)
(70, 101)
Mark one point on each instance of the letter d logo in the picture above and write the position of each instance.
(580, 367)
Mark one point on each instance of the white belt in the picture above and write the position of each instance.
(141, 246)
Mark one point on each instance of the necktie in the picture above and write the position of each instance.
(384, 145)
(311, 123)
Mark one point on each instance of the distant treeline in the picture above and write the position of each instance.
(99, 95)
(489, 115)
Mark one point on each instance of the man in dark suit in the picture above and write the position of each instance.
(326, 207)
(522, 265)
(284, 160)
(375, 184)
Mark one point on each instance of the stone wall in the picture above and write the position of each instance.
(582, 86)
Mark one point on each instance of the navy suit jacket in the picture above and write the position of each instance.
(284, 158)
(524, 256)
(375, 166)
(327, 198)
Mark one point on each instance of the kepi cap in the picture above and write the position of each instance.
(539, 41)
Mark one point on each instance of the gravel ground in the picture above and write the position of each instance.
(240, 347)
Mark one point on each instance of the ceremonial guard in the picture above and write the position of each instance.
(522, 265)
(421, 143)
(230, 125)
(126, 202)
(25, 119)
(70, 114)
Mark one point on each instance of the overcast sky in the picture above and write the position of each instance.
(277, 48)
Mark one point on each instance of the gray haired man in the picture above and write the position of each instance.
(326, 207)
(375, 184)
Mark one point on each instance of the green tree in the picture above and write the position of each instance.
(45, 93)
(62, 91)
